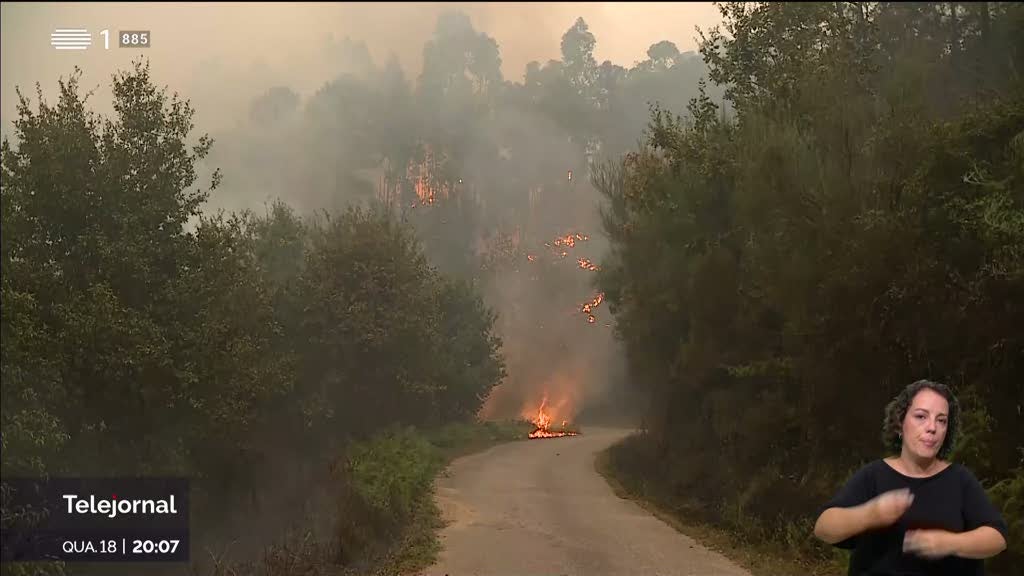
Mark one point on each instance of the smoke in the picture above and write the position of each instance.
(303, 100)
(324, 105)
(223, 55)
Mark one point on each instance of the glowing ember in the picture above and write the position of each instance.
(538, 433)
(561, 244)
(588, 307)
(587, 264)
(542, 420)
(429, 190)
(531, 257)
(570, 239)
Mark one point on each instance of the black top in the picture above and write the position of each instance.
(952, 500)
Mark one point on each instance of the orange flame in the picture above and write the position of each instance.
(587, 264)
(542, 420)
(588, 307)
(570, 239)
(567, 241)
(428, 190)
(539, 433)
(531, 257)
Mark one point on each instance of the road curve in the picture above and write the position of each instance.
(539, 507)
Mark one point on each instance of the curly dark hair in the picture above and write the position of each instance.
(896, 411)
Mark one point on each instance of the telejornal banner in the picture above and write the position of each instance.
(95, 519)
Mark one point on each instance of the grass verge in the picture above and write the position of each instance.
(418, 545)
(760, 558)
(386, 519)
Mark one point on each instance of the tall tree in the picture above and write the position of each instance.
(578, 57)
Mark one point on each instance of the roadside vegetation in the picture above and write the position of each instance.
(780, 271)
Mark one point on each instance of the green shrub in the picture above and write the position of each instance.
(458, 436)
(1008, 496)
(392, 470)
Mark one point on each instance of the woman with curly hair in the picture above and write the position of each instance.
(915, 513)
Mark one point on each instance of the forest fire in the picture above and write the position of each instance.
(543, 420)
(421, 174)
(425, 194)
(588, 307)
(587, 264)
(570, 240)
(594, 303)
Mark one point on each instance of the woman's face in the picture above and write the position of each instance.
(924, 427)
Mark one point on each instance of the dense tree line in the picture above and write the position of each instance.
(779, 274)
(141, 336)
(486, 139)
(143, 332)
(848, 220)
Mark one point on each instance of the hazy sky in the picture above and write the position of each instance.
(221, 55)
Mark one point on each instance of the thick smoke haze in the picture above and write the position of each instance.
(323, 105)
(221, 55)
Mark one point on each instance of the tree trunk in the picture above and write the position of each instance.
(988, 62)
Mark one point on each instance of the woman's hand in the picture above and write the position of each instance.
(888, 507)
(930, 543)
(982, 542)
(837, 524)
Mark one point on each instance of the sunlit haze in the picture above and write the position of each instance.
(221, 54)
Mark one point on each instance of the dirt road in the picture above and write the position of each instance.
(539, 507)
